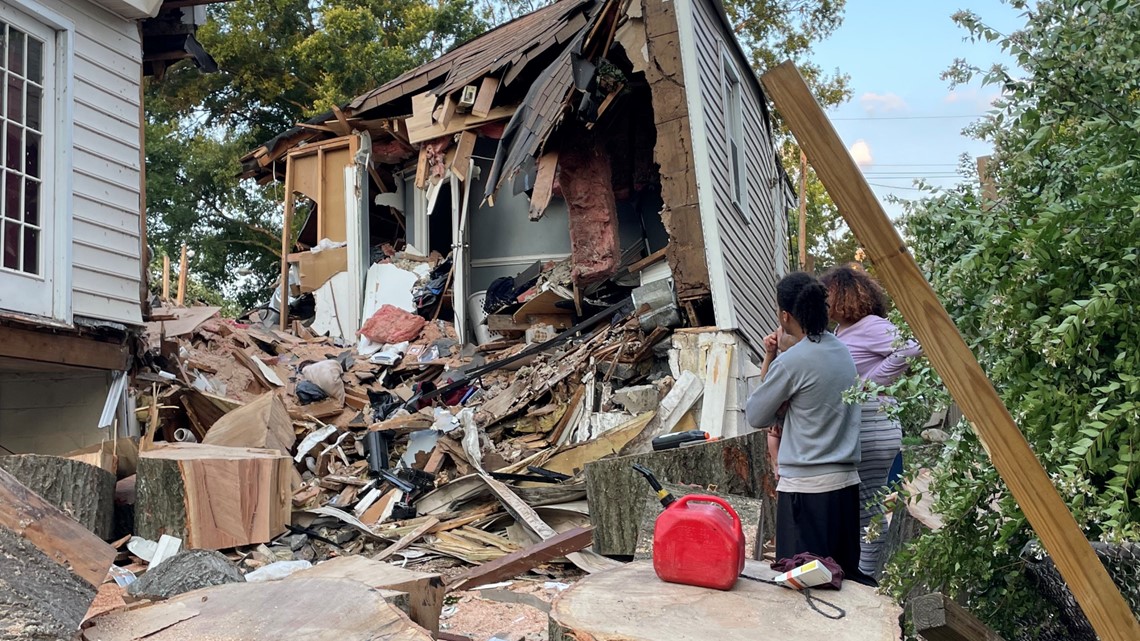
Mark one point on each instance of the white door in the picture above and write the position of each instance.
(27, 163)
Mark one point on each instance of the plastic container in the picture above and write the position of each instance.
(698, 541)
(477, 315)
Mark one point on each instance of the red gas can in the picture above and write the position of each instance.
(698, 541)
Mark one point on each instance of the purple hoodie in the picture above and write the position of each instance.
(871, 342)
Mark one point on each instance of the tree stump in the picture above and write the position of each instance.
(212, 497)
(84, 492)
(632, 604)
(736, 466)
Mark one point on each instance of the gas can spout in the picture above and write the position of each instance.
(663, 495)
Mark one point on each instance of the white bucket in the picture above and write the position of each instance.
(477, 316)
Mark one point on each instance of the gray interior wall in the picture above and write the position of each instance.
(48, 412)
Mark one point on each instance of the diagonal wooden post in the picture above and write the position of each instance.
(1006, 445)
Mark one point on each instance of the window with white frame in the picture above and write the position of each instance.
(734, 134)
(29, 57)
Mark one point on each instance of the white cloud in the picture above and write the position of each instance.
(960, 96)
(972, 97)
(882, 103)
(861, 153)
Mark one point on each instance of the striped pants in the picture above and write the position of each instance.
(880, 439)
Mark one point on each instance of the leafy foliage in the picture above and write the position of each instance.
(281, 61)
(1043, 285)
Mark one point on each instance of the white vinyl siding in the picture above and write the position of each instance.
(105, 249)
(752, 247)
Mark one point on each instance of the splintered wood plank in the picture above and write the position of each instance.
(407, 539)
(543, 184)
(1090, 583)
(463, 150)
(422, 169)
(54, 533)
(486, 97)
(314, 609)
(520, 561)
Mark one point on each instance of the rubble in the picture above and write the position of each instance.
(183, 572)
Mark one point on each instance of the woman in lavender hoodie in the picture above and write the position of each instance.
(858, 305)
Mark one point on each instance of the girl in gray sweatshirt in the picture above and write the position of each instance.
(818, 490)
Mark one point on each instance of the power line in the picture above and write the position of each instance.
(911, 116)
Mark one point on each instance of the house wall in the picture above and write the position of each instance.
(105, 175)
(745, 248)
(49, 412)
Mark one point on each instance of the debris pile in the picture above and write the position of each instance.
(405, 444)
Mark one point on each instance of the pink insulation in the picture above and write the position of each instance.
(391, 324)
(586, 183)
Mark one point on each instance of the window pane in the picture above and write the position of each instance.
(15, 98)
(35, 108)
(31, 201)
(11, 245)
(15, 51)
(35, 60)
(31, 250)
(32, 154)
(14, 147)
(12, 195)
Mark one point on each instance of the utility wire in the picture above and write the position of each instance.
(911, 117)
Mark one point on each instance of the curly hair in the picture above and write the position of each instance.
(853, 294)
(802, 296)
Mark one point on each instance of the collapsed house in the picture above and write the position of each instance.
(568, 137)
(73, 272)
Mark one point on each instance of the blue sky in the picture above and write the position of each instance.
(903, 121)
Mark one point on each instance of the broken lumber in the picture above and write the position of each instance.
(736, 466)
(1046, 511)
(84, 492)
(315, 609)
(937, 617)
(632, 603)
(261, 423)
(425, 590)
(518, 562)
(407, 539)
(50, 566)
(212, 497)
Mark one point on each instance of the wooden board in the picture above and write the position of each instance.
(574, 459)
(937, 617)
(86, 492)
(461, 122)
(314, 609)
(316, 269)
(1094, 590)
(213, 497)
(64, 349)
(486, 97)
(463, 150)
(737, 466)
(631, 604)
(425, 590)
(543, 184)
(520, 561)
(54, 533)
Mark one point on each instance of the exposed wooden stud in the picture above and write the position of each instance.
(648, 260)
(463, 150)
(165, 278)
(286, 242)
(422, 169)
(486, 97)
(182, 277)
(543, 184)
(1027, 480)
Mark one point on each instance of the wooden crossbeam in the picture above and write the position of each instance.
(937, 617)
(964, 378)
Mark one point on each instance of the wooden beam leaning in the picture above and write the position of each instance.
(967, 382)
(520, 561)
(286, 242)
(937, 617)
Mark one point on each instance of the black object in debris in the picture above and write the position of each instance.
(376, 445)
(500, 294)
(522, 478)
(304, 307)
(550, 474)
(680, 439)
(400, 484)
(403, 511)
(383, 404)
(309, 392)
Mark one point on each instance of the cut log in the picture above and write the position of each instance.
(212, 497)
(936, 617)
(312, 609)
(632, 604)
(262, 423)
(736, 466)
(50, 566)
(749, 510)
(910, 519)
(84, 492)
(518, 562)
(425, 590)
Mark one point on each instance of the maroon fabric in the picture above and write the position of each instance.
(787, 565)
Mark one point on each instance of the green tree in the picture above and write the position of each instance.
(1042, 282)
(281, 61)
